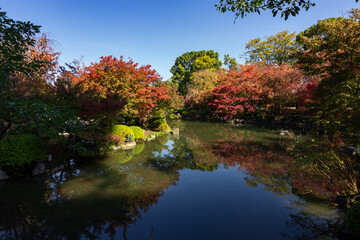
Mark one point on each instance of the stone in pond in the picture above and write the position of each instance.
(39, 168)
(176, 131)
(3, 175)
(128, 145)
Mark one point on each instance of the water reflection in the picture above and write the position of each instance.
(108, 198)
(91, 201)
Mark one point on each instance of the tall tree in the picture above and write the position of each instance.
(277, 49)
(106, 85)
(331, 50)
(15, 39)
(191, 62)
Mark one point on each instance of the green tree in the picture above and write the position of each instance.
(200, 87)
(331, 51)
(230, 62)
(27, 65)
(191, 62)
(285, 7)
(15, 38)
(277, 49)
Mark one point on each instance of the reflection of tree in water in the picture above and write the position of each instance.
(324, 168)
(273, 164)
(307, 221)
(285, 166)
(189, 152)
(102, 197)
(265, 163)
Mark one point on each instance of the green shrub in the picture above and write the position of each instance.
(121, 131)
(20, 151)
(352, 219)
(163, 127)
(155, 122)
(138, 148)
(159, 124)
(138, 133)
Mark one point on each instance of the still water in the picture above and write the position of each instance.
(212, 181)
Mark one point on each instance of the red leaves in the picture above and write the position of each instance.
(113, 78)
(255, 88)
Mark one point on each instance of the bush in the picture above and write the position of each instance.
(155, 122)
(159, 124)
(20, 151)
(121, 131)
(163, 127)
(352, 220)
(138, 133)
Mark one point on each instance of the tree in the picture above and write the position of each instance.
(285, 7)
(15, 38)
(22, 58)
(191, 62)
(268, 89)
(200, 87)
(230, 62)
(331, 51)
(276, 49)
(39, 81)
(104, 87)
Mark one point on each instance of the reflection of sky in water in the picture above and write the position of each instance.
(166, 152)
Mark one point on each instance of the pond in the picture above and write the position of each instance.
(212, 181)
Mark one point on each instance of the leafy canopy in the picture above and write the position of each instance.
(230, 62)
(105, 86)
(15, 37)
(191, 62)
(285, 7)
(276, 49)
(332, 52)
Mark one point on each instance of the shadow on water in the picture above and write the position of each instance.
(205, 171)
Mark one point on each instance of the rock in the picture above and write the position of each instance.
(354, 151)
(64, 134)
(152, 137)
(3, 175)
(126, 145)
(286, 133)
(59, 168)
(39, 168)
(176, 131)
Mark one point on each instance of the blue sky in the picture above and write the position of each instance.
(155, 32)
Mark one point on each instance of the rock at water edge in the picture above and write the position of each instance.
(39, 168)
(176, 131)
(3, 175)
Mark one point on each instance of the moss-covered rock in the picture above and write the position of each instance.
(18, 152)
(138, 133)
(122, 131)
(352, 220)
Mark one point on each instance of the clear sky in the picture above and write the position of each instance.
(155, 32)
